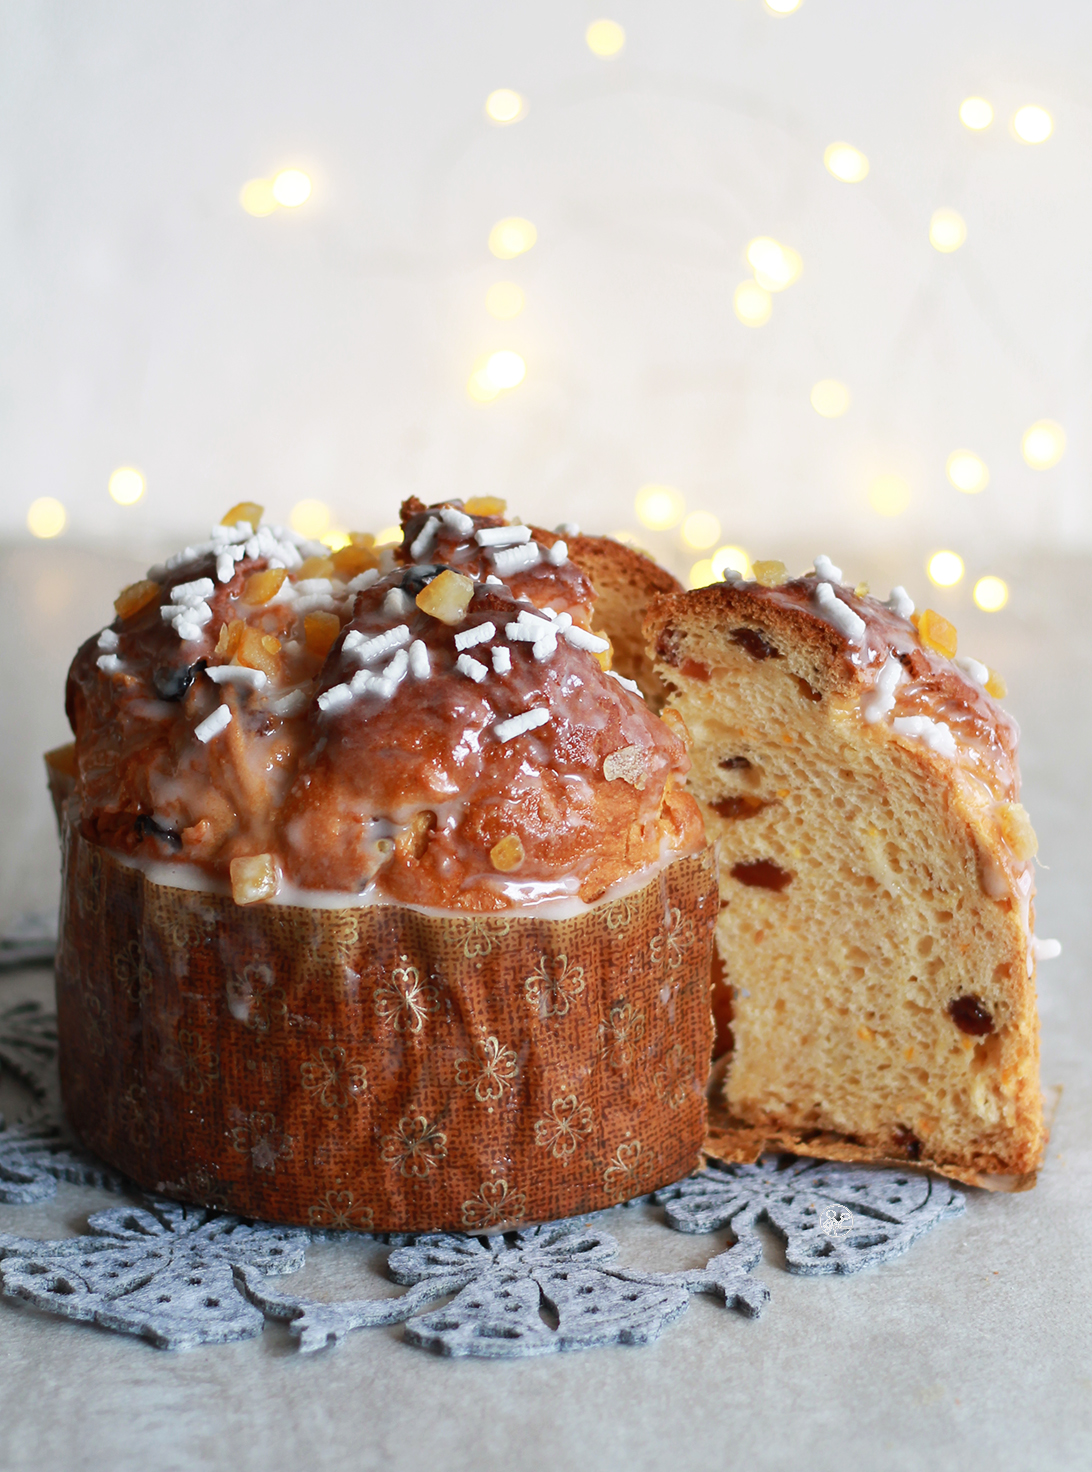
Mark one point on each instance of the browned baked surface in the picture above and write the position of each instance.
(876, 893)
(382, 1069)
(409, 789)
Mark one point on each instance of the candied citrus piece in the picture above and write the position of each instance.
(230, 634)
(253, 879)
(447, 597)
(1017, 831)
(606, 656)
(351, 560)
(936, 633)
(485, 506)
(413, 839)
(996, 686)
(259, 651)
(315, 567)
(245, 511)
(135, 597)
(861, 590)
(361, 539)
(770, 574)
(508, 854)
(320, 631)
(260, 586)
(627, 764)
(677, 725)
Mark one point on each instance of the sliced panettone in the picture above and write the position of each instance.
(875, 931)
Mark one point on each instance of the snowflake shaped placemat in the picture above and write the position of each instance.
(182, 1276)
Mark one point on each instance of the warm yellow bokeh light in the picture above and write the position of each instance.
(605, 37)
(504, 299)
(775, 265)
(830, 398)
(256, 197)
(975, 113)
(659, 507)
(947, 231)
(1032, 124)
(991, 594)
(701, 529)
(702, 574)
(505, 369)
(480, 387)
(390, 536)
(511, 237)
(783, 7)
(945, 569)
(753, 303)
(126, 485)
(46, 517)
(335, 539)
(504, 106)
(889, 495)
(967, 472)
(1043, 444)
(845, 162)
(733, 559)
(291, 188)
(310, 518)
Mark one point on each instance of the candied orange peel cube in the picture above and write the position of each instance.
(361, 539)
(253, 879)
(770, 574)
(485, 506)
(315, 567)
(996, 686)
(230, 634)
(936, 633)
(259, 651)
(447, 597)
(320, 631)
(261, 586)
(248, 511)
(508, 854)
(350, 561)
(1017, 831)
(135, 597)
(606, 656)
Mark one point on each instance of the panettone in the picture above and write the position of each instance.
(876, 996)
(384, 904)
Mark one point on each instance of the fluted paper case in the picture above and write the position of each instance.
(379, 1068)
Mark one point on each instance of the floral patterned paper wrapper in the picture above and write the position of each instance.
(380, 1068)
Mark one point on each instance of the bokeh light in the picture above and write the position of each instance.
(390, 536)
(967, 472)
(701, 529)
(830, 398)
(291, 188)
(702, 574)
(734, 559)
(975, 113)
(1043, 444)
(511, 237)
(991, 594)
(336, 538)
(256, 197)
(889, 495)
(505, 106)
(783, 7)
(947, 231)
(659, 507)
(505, 300)
(753, 303)
(310, 518)
(945, 569)
(480, 386)
(46, 517)
(845, 162)
(775, 265)
(1032, 124)
(126, 485)
(605, 37)
(505, 369)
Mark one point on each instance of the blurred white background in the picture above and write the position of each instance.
(340, 350)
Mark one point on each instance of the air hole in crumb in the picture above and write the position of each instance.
(762, 874)
(809, 692)
(734, 763)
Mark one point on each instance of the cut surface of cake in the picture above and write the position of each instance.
(877, 997)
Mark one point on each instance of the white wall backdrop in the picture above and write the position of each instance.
(146, 319)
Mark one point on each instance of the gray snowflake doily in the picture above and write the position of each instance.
(181, 1276)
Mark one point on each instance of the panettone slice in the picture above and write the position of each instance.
(875, 931)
